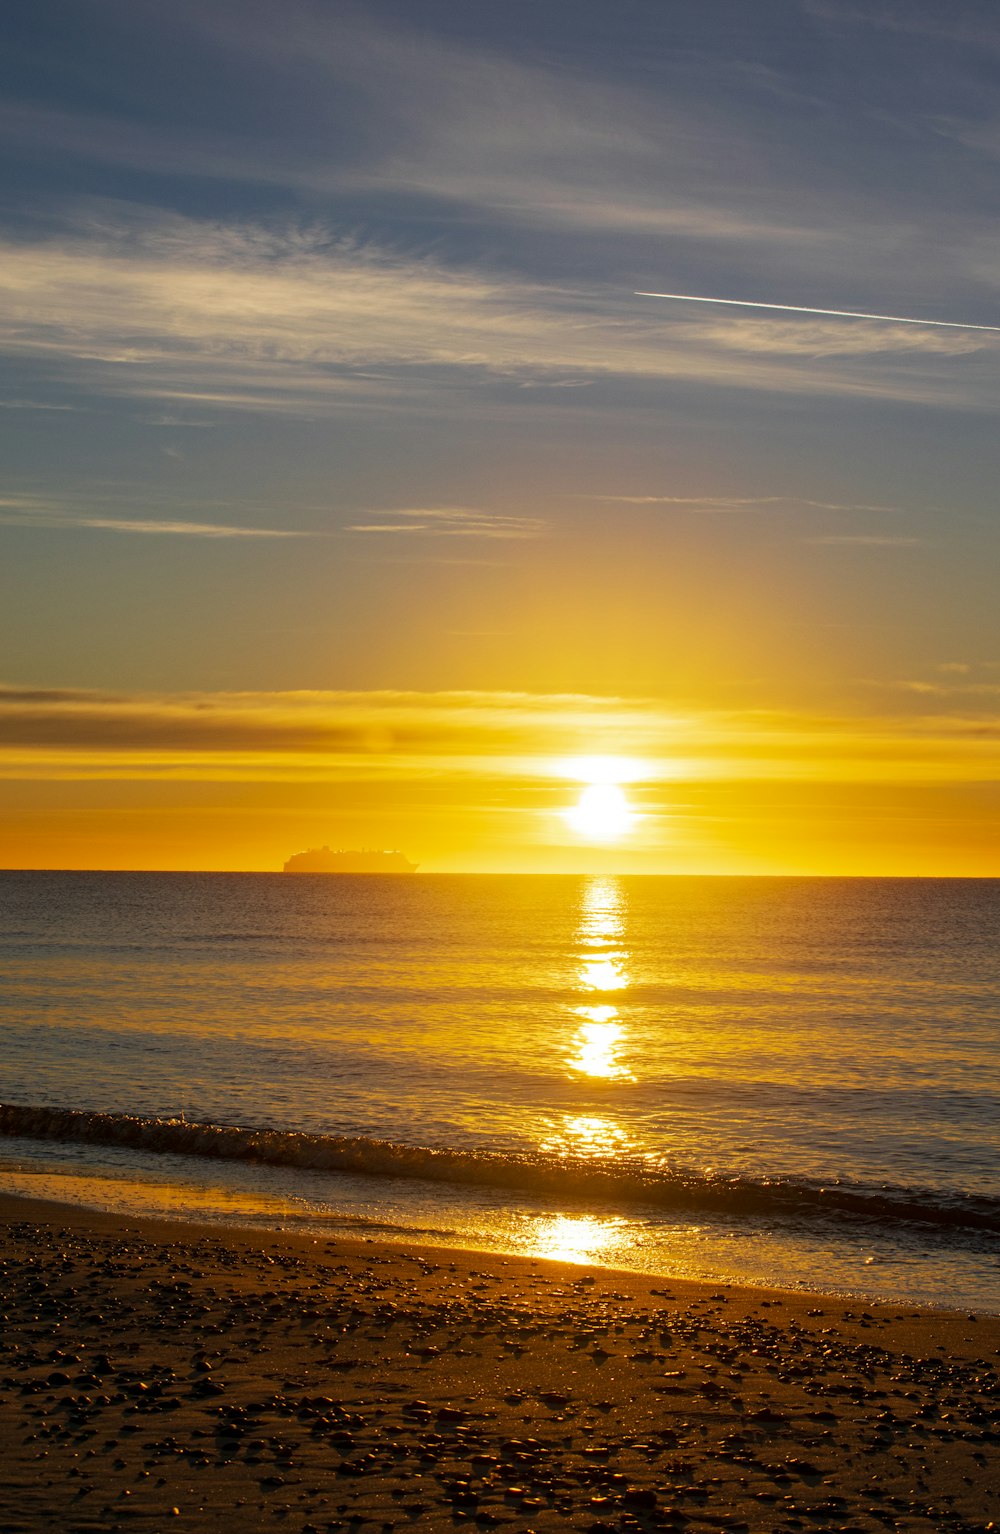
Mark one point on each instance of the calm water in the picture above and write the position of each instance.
(776, 1080)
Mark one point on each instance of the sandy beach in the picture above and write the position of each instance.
(165, 1376)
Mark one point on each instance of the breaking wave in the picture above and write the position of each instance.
(631, 1180)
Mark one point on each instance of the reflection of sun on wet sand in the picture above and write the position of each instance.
(162, 1376)
(577, 1238)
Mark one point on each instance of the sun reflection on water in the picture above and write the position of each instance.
(575, 1238)
(587, 1136)
(604, 974)
(600, 1036)
(603, 911)
(597, 1043)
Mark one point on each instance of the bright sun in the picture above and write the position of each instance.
(602, 813)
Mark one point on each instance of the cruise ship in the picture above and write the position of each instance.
(320, 860)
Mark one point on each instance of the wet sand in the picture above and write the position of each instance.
(158, 1376)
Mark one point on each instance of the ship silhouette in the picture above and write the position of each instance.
(320, 860)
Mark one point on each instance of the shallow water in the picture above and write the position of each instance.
(735, 1046)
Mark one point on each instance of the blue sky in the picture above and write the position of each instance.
(323, 369)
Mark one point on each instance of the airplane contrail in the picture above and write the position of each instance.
(843, 314)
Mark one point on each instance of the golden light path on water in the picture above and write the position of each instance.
(599, 1051)
(600, 1037)
(597, 1044)
(598, 1030)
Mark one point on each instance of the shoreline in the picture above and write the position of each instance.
(859, 1262)
(158, 1373)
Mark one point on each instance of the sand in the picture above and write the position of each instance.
(158, 1376)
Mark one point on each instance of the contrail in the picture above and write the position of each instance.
(842, 314)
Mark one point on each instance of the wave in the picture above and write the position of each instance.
(631, 1180)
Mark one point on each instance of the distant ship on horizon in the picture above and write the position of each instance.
(320, 860)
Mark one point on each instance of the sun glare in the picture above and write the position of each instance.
(602, 813)
(603, 769)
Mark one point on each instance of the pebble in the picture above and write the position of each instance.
(302, 1369)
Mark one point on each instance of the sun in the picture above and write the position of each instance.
(602, 813)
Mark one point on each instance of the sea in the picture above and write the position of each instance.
(788, 1082)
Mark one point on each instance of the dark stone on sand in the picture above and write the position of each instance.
(639, 1496)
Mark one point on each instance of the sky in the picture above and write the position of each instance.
(352, 494)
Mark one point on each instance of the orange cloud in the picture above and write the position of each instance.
(60, 732)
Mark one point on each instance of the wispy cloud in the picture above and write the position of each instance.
(35, 404)
(446, 134)
(450, 521)
(443, 119)
(917, 18)
(942, 690)
(738, 503)
(185, 529)
(866, 540)
(515, 188)
(451, 128)
(168, 418)
(502, 135)
(45, 515)
(954, 681)
(377, 726)
(263, 736)
(253, 318)
(815, 339)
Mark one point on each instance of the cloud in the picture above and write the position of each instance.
(450, 521)
(34, 404)
(261, 318)
(46, 515)
(167, 418)
(80, 135)
(185, 529)
(357, 109)
(499, 133)
(917, 18)
(808, 339)
(866, 540)
(311, 724)
(49, 695)
(64, 733)
(466, 149)
(738, 503)
(504, 138)
(955, 680)
(709, 158)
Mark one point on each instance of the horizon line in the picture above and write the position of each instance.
(493, 873)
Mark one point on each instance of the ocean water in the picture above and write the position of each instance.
(788, 1081)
